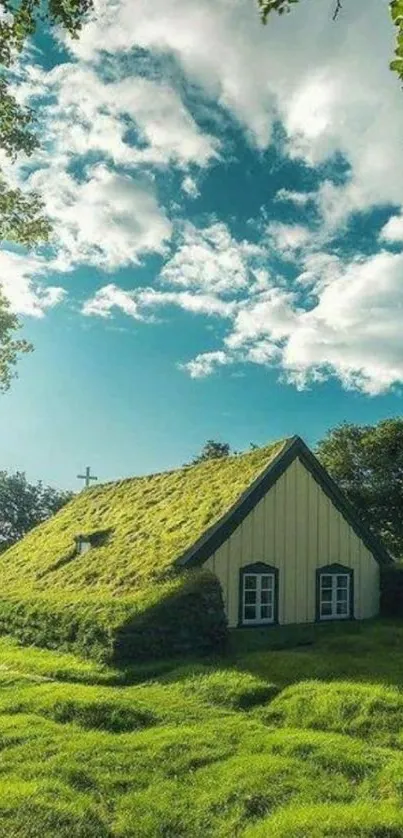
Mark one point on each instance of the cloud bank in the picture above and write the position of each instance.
(124, 115)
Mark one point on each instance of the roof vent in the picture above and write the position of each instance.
(83, 544)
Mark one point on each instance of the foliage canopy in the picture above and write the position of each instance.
(366, 461)
(24, 505)
(212, 450)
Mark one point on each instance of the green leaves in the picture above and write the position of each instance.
(24, 505)
(21, 217)
(367, 463)
(212, 450)
(15, 125)
(20, 20)
(279, 6)
(396, 11)
(10, 349)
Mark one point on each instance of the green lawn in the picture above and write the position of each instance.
(297, 733)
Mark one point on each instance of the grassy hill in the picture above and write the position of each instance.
(298, 742)
(53, 595)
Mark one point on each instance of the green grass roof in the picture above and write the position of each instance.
(146, 522)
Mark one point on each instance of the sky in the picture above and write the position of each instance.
(227, 250)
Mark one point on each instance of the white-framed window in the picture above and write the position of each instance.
(258, 598)
(334, 596)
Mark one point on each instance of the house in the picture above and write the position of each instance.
(292, 549)
(283, 541)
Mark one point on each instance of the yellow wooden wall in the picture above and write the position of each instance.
(296, 528)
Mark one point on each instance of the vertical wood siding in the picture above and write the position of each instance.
(296, 528)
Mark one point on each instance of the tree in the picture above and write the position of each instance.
(23, 505)
(366, 461)
(10, 348)
(18, 21)
(396, 10)
(22, 218)
(212, 450)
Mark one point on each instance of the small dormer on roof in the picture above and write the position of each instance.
(83, 544)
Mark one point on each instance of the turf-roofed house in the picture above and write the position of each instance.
(159, 564)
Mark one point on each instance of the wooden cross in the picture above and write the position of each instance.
(87, 477)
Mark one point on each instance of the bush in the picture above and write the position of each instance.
(183, 616)
(392, 590)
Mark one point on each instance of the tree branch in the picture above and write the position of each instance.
(338, 9)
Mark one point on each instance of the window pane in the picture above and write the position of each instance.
(250, 597)
(326, 581)
(341, 608)
(266, 612)
(326, 609)
(250, 582)
(266, 582)
(342, 581)
(341, 595)
(326, 595)
(249, 612)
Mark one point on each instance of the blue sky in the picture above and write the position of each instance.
(227, 259)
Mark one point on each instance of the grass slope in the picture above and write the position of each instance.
(142, 524)
(246, 747)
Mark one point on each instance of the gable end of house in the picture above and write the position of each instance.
(294, 448)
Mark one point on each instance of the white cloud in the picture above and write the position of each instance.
(101, 216)
(288, 238)
(340, 319)
(190, 186)
(229, 71)
(393, 229)
(271, 315)
(20, 281)
(352, 331)
(108, 298)
(355, 329)
(206, 363)
(141, 303)
(300, 199)
(195, 303)
(325, 90)
(108, 220)
(83, 113)
(210, 259)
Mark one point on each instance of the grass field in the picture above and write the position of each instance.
(304, 738)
